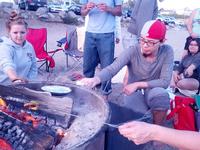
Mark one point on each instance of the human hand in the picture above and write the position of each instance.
(130, 88)
(90, 5)
(102, 7)
(176, 77)
(90, 82)
(188, 72)
(193, 35)
(136, 131)
(19, 80)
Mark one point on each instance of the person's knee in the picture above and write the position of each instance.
(180, 84)
(135, 102)
(158, 99)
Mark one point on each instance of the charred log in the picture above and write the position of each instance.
(23, 136)
(53, 107)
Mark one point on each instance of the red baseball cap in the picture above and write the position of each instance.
(154, 29)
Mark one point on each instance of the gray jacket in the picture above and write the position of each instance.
(22, 59)
(157, 73)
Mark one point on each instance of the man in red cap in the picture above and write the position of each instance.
(150, 66)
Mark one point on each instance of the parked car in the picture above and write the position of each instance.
(56, 6)
(32, 4)
(170, 20)
(126, 13)
(167, 20)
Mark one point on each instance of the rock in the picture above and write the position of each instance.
(72, 14)
(80, 20)
(62, 14)
(41, 11)
(7, 10)
(44, 17)
(69, 17)
(26, 15)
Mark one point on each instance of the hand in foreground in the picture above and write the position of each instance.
(136, 131)
(90, 82)
(130, 88)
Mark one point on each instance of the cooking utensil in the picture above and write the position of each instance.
(56, 89)
(144, 117)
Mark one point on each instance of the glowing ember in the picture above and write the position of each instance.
(22, 116)
(4, 145)
(2, 103)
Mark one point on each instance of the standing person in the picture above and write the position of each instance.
(99, 37)
(150, 65)
(143, 11)
(193, 27)
(17, 56)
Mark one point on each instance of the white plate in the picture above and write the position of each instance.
(56, 89)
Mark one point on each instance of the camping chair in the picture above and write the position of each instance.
(70, 48)
(38, 38)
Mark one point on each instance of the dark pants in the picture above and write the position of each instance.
(98, 48)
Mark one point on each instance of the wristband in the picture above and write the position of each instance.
(16, 80)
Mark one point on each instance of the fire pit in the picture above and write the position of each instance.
(69, 121)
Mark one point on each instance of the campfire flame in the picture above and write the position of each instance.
(22, 116)
(4, 145)
(2, 103)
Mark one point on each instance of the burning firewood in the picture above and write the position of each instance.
(2, 103)
(33, 105)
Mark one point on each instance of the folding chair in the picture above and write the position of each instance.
(38, 38)
(70, 48)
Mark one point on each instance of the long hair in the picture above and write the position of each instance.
(198, 44)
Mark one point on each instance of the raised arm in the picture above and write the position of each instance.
(189, 23)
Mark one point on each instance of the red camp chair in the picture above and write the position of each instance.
(38, 38)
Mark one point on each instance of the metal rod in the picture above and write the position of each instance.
(145, 116)
(117, 125)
